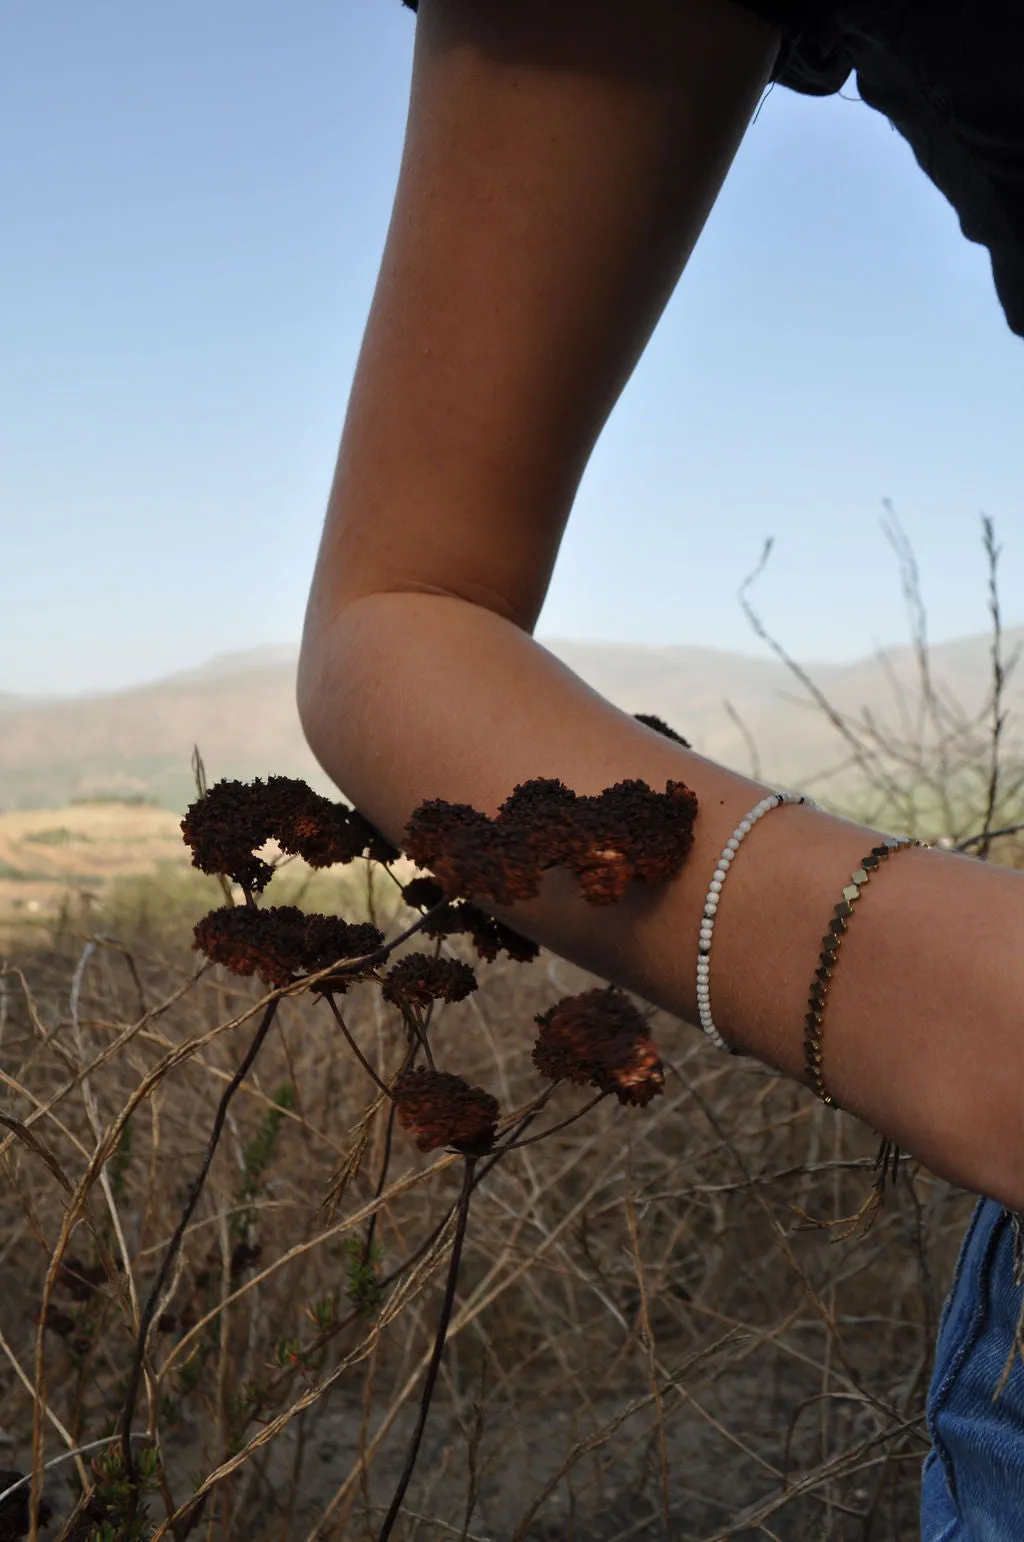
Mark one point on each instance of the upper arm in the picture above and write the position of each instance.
(561, 157)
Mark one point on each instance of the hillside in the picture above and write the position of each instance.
(240, 710)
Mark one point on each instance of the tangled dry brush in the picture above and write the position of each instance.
(320, 1240)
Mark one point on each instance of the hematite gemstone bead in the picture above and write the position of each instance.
(829, 950)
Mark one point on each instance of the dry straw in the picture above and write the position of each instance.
(287, 1213)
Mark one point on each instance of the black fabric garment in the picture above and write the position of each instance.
(949, 76)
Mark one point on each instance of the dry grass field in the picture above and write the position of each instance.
(647, 1340)
(665, 1324)
(52, 856)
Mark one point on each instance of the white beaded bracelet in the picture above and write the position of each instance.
(707, 924)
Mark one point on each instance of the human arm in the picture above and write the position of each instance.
(560, 161)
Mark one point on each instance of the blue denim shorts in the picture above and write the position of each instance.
(973, 1480)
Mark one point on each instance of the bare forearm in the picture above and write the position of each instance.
(406, 697)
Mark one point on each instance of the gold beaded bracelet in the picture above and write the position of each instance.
(826, 962)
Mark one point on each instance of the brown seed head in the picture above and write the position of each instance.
(635, 835)
(234, 819)
(487, 935)
(444, 1110)
(417, 979)
(282, 942)
(422, 894)
(626, 833)
(660, 727)
(599, 1038)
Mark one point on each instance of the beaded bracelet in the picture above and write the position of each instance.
(826, 962)
(707, 924)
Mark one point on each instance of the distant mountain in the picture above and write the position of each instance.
(240, 709)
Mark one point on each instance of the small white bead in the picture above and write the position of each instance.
(732, 843)
(715, 886)
(718, 876)
(704, 946)
(744, 825)
(710, 907)
(724, 860)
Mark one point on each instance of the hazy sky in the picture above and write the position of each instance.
(195, 198)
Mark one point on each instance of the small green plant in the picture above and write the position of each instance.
(362, 1286)
(259, 1153)
(118, 1500)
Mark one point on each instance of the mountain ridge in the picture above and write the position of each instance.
(239, 707)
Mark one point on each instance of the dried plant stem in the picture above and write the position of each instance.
(985, 836)
(517, 1145)
(435, 1359)
(149, 1310)
(354, 1047)
(64, 1434)
(382, 1178)
(998, 684)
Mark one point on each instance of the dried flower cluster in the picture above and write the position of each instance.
(417, 980)
(281, 942)
(661, 727)
(488, 935)
(599, 1037)
(444, 1110)
(234, 819)
(628, 833)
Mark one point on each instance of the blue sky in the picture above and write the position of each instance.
(195, 198)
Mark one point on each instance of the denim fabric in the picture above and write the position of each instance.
(972, 1487)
